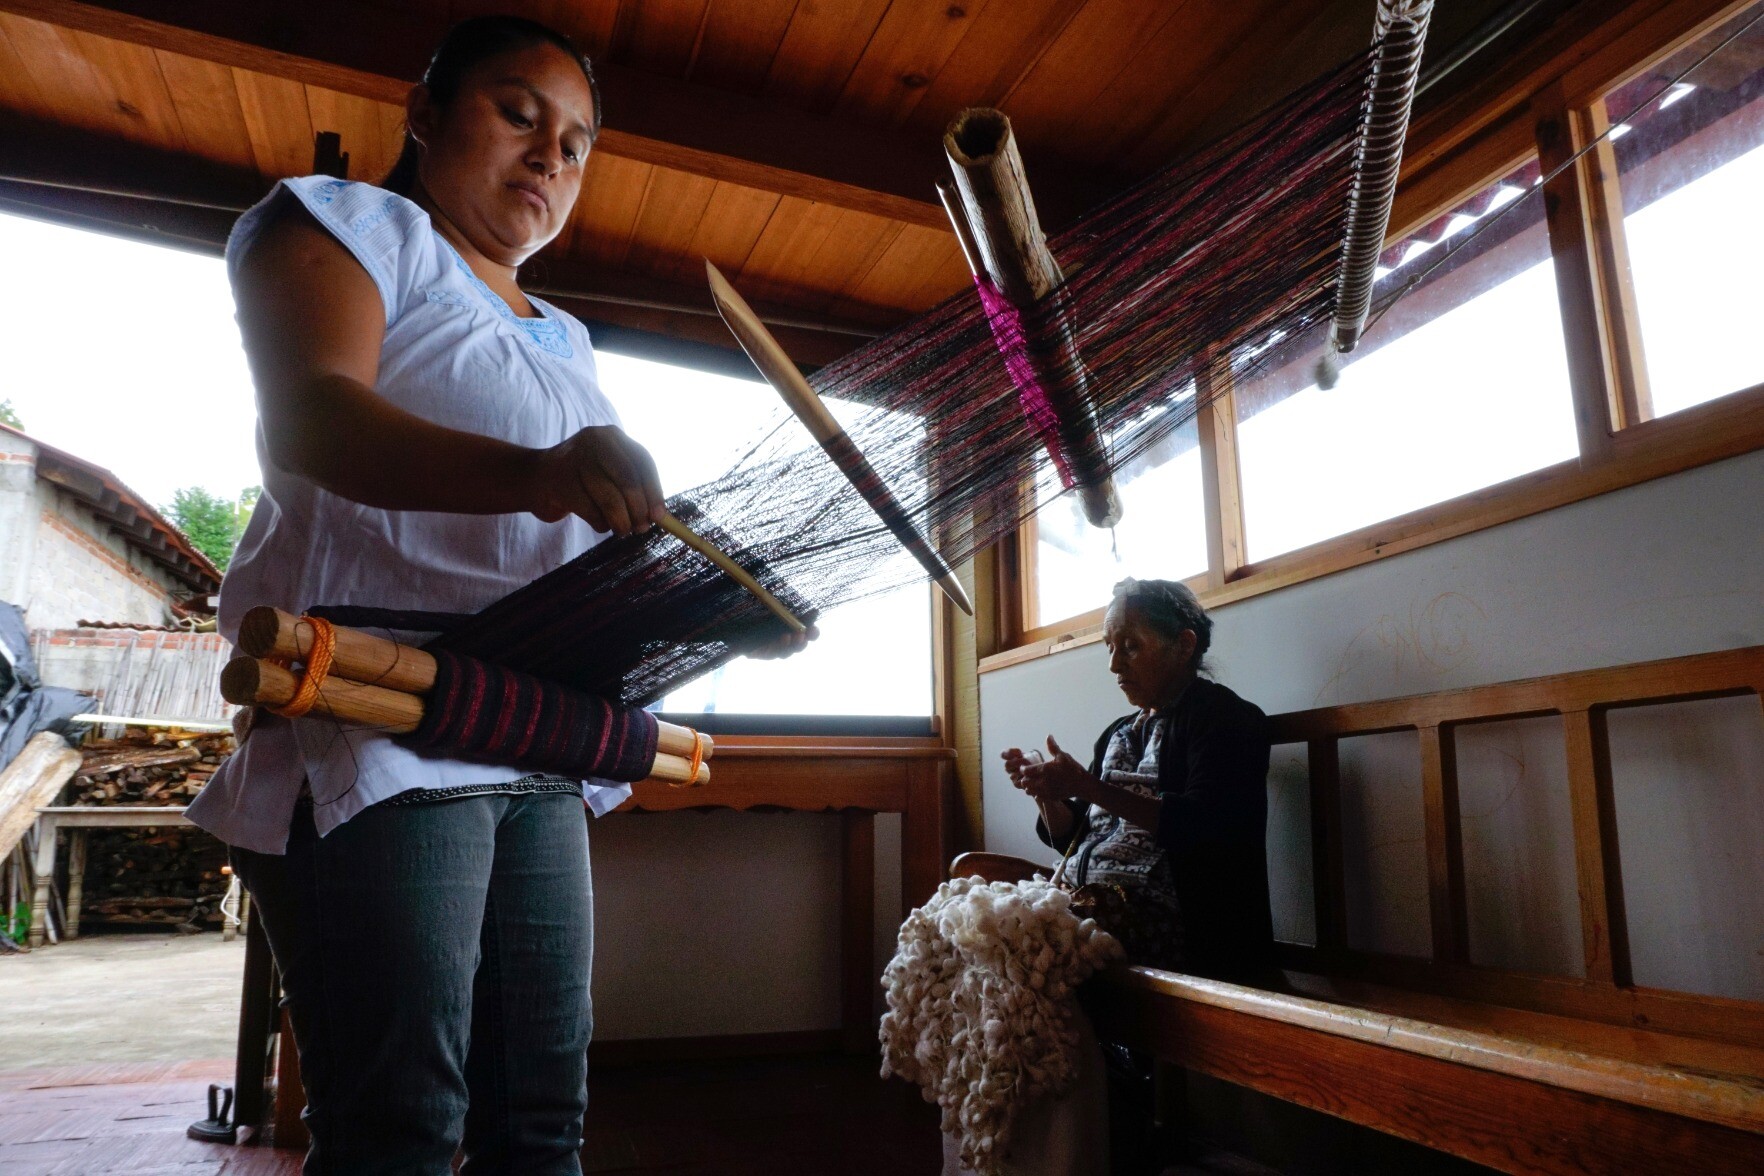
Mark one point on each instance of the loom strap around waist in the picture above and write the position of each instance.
(484, 711)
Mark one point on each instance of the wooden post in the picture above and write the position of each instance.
(1328, 876)
(1445, 846)
(857, 930)
(1221, 483)
(76, 879)
(45, 871)
(1621, 322)
(924, 832)
(258, 1018)
(1604, 926)
(1592, 375)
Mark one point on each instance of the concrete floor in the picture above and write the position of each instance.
(121, 998)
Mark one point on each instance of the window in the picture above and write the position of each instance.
(1463, 383)
(1162, 534)
(873, 656)
(1690, 165)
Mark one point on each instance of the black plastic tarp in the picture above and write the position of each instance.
(26, 705)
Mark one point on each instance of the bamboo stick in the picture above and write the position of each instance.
(774, 363)
(248, 681)
(998, 223)
(366, 660)
(733, 570)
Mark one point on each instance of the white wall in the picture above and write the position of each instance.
(719, 923)
(1672, 567)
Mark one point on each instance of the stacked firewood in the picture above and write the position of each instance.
(146, 876)
(149, 767)
(169, 875)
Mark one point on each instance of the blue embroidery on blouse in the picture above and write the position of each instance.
(446, 296)
(547, 334)
(369, 221)
(326, 192)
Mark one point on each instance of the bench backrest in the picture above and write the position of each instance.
(1606, 991)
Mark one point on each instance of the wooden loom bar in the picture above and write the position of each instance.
(248, 681)
(366, 660)
(1604, 926)
(998, 226)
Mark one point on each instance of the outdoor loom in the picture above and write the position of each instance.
(1084, 364)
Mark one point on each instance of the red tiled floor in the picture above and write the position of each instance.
(804, 1116)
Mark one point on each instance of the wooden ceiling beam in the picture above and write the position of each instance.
(378, 53)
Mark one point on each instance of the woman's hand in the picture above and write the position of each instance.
(785, 645)
(1059, 777)
(600, 475)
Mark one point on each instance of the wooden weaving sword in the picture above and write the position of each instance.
(775, 365)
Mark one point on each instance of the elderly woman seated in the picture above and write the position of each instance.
(1165, 830)
(1162, 839)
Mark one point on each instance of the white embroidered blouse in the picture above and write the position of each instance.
(454, 354)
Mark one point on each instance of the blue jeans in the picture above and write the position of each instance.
(435, 960)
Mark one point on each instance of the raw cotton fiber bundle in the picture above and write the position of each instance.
(980, 1011)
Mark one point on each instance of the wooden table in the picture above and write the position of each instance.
(77, 819)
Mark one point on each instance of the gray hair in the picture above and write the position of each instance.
(1169, 607)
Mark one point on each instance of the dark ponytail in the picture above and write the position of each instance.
(470, 43)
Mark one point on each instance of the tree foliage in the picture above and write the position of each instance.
(9, 415)
(212, 523)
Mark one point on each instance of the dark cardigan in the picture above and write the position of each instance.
(1213, 781)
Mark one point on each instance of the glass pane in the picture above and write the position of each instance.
(696, 425)
(1462, 383)
(1691, 166)
(1162, 534)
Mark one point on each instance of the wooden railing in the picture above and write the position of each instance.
(1582, 700)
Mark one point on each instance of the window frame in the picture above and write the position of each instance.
(1548, 100)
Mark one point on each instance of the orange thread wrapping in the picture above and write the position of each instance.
(318, 668)
(697, 760)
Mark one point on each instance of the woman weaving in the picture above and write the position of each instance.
(431, 438)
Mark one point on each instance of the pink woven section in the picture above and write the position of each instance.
(1011, 336)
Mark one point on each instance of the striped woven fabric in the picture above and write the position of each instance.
(484, 711)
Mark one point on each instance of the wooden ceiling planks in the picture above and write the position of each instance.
(909, 48)
(207, 103)
(368, 135)
(278, 124)
(1005, 42)
(820, 49)
(18, 89)
(659, 36)
(739, 42)
(1056, 110)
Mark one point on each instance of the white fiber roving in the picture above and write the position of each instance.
(979, 1009)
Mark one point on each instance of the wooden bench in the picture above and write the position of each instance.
(1517, 1071)
(854, 777)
